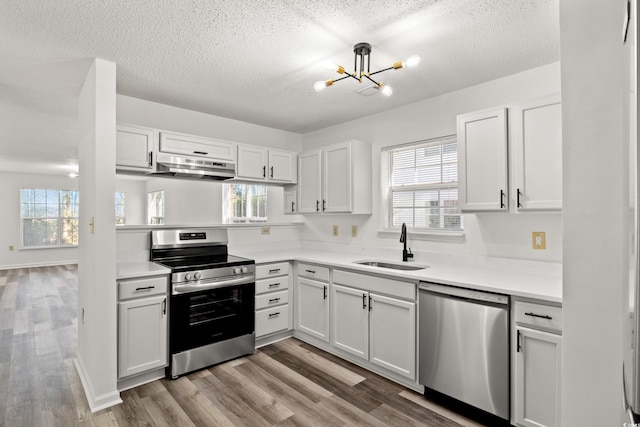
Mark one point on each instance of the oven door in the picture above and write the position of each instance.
(212, 315)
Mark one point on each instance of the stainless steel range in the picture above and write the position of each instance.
(212, 301)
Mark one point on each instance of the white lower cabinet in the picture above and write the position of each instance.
(142, 325)
(272, 298)
(377, 328)
(312, 308)
(538, 364)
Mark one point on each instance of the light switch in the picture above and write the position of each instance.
(354, 231)
(335, 231)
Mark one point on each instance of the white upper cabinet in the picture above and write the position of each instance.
(336, 179)
(134, 148)
(189, 145)
(537, 143)
(482, 157)
(266, 164)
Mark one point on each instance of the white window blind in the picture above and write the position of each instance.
(422, 185)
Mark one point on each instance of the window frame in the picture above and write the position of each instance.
(59, 219)
(247, 219)
(386, 229)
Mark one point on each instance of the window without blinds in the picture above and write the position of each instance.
(423, 187)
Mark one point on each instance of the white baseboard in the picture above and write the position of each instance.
(37, 264)
(96, 403)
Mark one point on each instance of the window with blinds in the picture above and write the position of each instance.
(422, 184)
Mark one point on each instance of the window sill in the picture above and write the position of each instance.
(429, 235)
(39, 248)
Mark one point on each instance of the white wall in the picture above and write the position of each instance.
(10, 185)
(596, 229)
(490, 234)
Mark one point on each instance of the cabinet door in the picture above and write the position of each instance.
(350, 325)
(252, 162)
(282, 166)
(312, 308)
(290, 202)
(538, 378)
(134, 147)
(482, 160)
(196, 146)
(309, 183)
(538, 153)
(336, 183)
(392, 324)
(142, 335)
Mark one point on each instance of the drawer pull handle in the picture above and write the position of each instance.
(204, 153)
(277, 313)
(274, 300)
(542, 316)
(275, 270)
(145, 288)
(273, 285)
(311, 271)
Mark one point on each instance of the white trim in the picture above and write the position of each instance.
(96, 403)
(135, 228)
(37, 264)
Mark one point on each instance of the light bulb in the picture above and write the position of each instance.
(319, 85)
(386, 90)
(412, 61)
(329, 65)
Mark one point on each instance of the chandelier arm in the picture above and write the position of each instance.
(369, 78)
(380, 71)
(342, 78)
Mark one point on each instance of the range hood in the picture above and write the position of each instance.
(171, 165)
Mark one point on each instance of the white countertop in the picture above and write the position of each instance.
(528, 279)
(128, 270)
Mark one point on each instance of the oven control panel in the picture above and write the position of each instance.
(219, 274)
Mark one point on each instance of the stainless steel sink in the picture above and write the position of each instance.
(392, 265)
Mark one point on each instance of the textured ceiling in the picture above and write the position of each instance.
(250, 60)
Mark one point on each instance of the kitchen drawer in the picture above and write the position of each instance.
(272, 270)
(138, 288)
(272, 320)
(538, 316)
(313, 272)
(273, 284)
(272, 299)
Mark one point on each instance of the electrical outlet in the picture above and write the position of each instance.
(538, 240)
(10, 247)
(354, 231)
(265, 231)
(335, 231)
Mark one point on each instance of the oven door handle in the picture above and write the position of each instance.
(194, 287)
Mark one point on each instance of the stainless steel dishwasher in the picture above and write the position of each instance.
(464, 345)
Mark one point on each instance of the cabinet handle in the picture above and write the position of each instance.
(324, 205)
(150, 158)
(271, 171)
(325, 292)
(518, 194)
(311, 271)
(204, 153)
(164, 307)
(541, 316)
(264, 171)
(501, 199)
(364, 301)
(272, 300)
(274, 285)
(370, 305)
(275, 270)
(272, 315)
(145, 288)
(293, 206)
(518, 347)
(317, 205)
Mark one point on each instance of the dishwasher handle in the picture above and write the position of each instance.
(469, 294)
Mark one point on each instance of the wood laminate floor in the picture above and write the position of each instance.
(289, 383)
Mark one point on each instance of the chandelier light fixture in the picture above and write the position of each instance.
(362, 57)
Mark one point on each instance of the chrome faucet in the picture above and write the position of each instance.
(406, 253)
